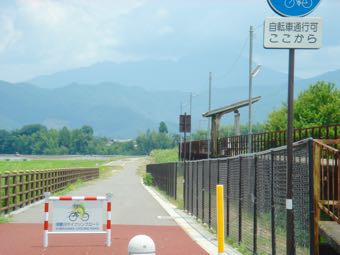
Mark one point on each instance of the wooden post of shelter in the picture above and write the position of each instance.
(216, 116)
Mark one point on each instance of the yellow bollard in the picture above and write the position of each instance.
(220, 218)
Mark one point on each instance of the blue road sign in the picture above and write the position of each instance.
(293, 7)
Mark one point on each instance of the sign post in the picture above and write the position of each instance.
(292, 33)
(185, 127)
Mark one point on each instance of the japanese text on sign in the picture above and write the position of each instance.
(298, 33)
(77, 216)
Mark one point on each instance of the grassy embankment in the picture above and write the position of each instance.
(44, 164)
(158, 157)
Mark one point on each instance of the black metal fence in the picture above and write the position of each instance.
(255, 196)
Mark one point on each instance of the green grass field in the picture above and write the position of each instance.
(41, 164)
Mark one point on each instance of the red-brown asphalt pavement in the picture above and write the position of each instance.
(26, 239)
(134, 212)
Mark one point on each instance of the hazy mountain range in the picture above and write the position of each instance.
(120, 100)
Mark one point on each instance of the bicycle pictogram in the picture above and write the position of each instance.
(302, 3)
(78, 211)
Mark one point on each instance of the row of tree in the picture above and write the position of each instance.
(38, 140)
(318, 105)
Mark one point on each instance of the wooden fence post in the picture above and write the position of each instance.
(316, 195)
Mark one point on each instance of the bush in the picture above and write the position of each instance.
(164, 156)
(148, 179)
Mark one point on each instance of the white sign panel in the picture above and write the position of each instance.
(293, 33)
(77, 216)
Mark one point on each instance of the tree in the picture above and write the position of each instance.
(318, 105)
(31, 129)
(163, 128)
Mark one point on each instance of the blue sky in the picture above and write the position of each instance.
(45, 36)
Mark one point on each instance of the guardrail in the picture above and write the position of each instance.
(18, 189)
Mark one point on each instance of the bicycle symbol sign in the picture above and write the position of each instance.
(293, 7)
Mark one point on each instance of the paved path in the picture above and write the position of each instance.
(134, 212)
(131, 203)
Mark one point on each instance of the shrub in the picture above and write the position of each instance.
(148, 179)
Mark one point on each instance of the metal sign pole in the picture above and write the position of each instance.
(290, 239)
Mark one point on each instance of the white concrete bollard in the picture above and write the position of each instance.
(141, 244)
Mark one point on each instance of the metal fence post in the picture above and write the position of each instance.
(313, 250)
(175, 176)
(255, 207)
(184, 185)
(218, 171)
(209, 187)
(240, 204)
(227, 202)
(202, 205)
(192, 187)
(272, 203)
(197, 189)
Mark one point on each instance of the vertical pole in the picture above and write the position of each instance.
(45, 242)
(185, 137)
(272, 203)
(316, 195)
(290, 240)
(180, 143)
(108, 224)
(255, 207)
(209, 187)
(240, 203)
(209, 119)
(251, 32)
(220, 218)
(310, 155)
(185, 184)
(175, 184)
(190, 129)
(228, 188)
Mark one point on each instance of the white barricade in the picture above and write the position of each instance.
(77, 215)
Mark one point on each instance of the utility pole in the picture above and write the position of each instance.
(209, 119)
(251, 33)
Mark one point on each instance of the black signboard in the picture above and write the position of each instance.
(185, 123)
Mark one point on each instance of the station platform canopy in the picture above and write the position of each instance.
(230, 108)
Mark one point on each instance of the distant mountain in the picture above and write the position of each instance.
(105, 108)
(185, 74)
(333, 77)
(78, 97)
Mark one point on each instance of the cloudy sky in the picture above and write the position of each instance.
(45, 36)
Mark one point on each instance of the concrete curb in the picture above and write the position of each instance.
(188, 223)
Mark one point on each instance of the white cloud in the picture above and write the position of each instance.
(46, 13)
(9, 34)
(70, 33)
(45, 36)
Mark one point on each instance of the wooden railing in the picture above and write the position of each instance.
(236, 145)
(18, 189)
(326, 175)
(327, 178)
